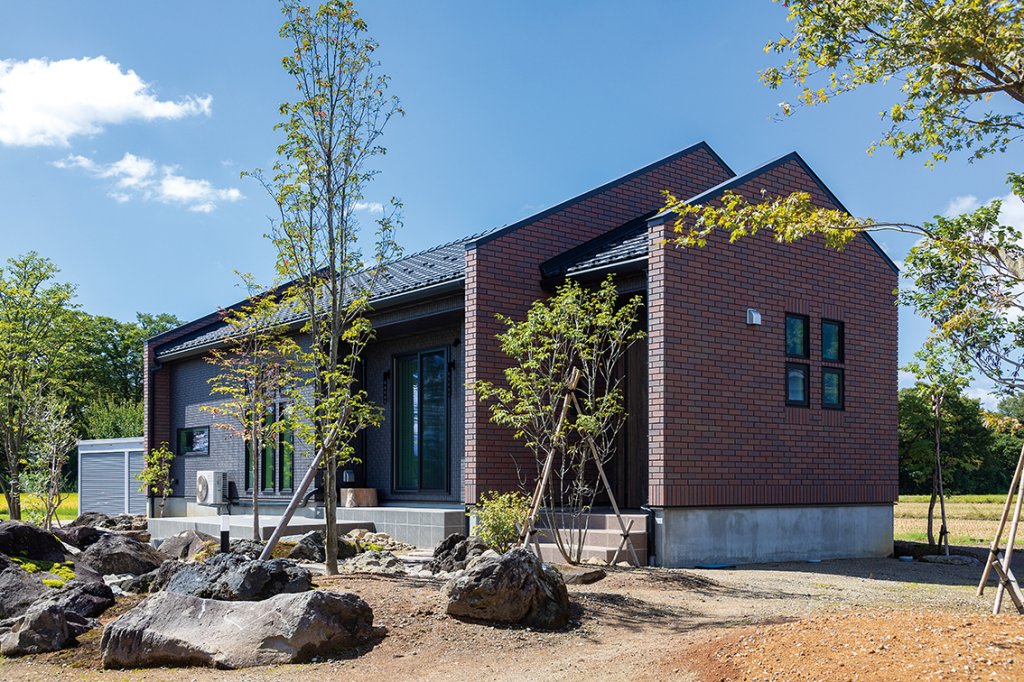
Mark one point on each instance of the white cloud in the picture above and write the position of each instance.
(46, 103)
(138, 177)
(989, 399)
(368, 206)
(959, 205)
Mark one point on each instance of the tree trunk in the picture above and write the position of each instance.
(14, 503)
(937, 487)
(931, 510)
(255, 491)
(331, 513)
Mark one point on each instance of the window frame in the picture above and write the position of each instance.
(192, 453)
(277, 477)
(806, 367)
(842, 388)
(841, 326)
(395, 426)
(806, 320)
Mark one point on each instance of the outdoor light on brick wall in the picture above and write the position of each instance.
(753, 316)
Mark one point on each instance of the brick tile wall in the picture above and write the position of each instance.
(503, 276)
(720, 432)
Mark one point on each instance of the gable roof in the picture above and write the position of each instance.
(629, 242)
(419, 273)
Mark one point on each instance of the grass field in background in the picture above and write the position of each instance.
(67, 511)
(971, 519)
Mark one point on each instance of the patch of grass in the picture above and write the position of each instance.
(966, 540)
(998, 498)
(67, 511)
(64, 571)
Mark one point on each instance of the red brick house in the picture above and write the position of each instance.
(763, 413)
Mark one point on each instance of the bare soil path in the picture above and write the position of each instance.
(836, 620)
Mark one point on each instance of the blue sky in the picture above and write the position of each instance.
(123, 166)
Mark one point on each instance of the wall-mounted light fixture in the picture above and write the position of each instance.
(753, 317)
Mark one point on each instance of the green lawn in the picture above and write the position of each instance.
(67, 511)
(971, 519)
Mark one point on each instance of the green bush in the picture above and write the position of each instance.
(498, 518)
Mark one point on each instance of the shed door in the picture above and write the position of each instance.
(102, 486)
(138, 503)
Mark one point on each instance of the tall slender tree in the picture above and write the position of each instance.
(254, 371)
(332, 135)
(38, 327)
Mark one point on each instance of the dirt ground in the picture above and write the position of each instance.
(838, 620)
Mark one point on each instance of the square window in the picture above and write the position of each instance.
(797, 382)
(194, 441)
(832, 389)
(798, 342)
(832, 341)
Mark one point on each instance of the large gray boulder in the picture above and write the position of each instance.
(154, 581)
(454, 553)
(84, 599)
(187, 544)
(18, 589)
(514, 588)
(45, 627)
(79, 536)
(171, 629)
(117, 554)
(89, 519)
(25, 540)
(233, 577)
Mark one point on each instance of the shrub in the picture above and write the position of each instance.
(499, 517)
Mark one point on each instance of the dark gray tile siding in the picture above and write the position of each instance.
(378, 458)
(190, 390)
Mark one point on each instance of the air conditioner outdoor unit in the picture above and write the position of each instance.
(211, 487)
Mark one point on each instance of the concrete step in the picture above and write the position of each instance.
(601, 520)
(602, 537)
(549, 553)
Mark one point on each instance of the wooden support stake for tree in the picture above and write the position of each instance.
(994, 551)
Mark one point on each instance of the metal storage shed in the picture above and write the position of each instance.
(106, 476)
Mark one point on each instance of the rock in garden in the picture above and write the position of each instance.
(233, 577)
(125, 522)
(117, 554)
(454, 553)
(951, 560)
(87, 519)
(578, 575)
(373, 562)
(45, 627)
(312, 547)
(25, 540)
(248, 548)
(18, 589)
(187, 544)
(79, 537)
(171, 629)
(84, 599)
(514, 588)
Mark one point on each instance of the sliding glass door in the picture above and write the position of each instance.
(421, 421)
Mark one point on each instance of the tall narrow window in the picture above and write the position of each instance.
(798, 338)
(277, 463)
(797, 381)
(286, 446)
(832, 388)
(832, 341)
(421, 421)
(267, 465)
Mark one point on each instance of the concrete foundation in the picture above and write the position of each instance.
(419, 526)
(748, 535)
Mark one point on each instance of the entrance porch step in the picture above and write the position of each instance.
(601, 520)
(602, 537)
(549, 553)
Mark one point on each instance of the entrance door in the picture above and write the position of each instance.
(421, 422)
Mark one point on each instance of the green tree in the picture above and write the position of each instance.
(38, 328)
(108, 417)
(967, 444)
(940, 374)
(576, 330)
(254, 371)
(156, 476)
(54, 434)
(961, 88)
(332, 135)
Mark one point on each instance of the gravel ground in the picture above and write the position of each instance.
(656, 624)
